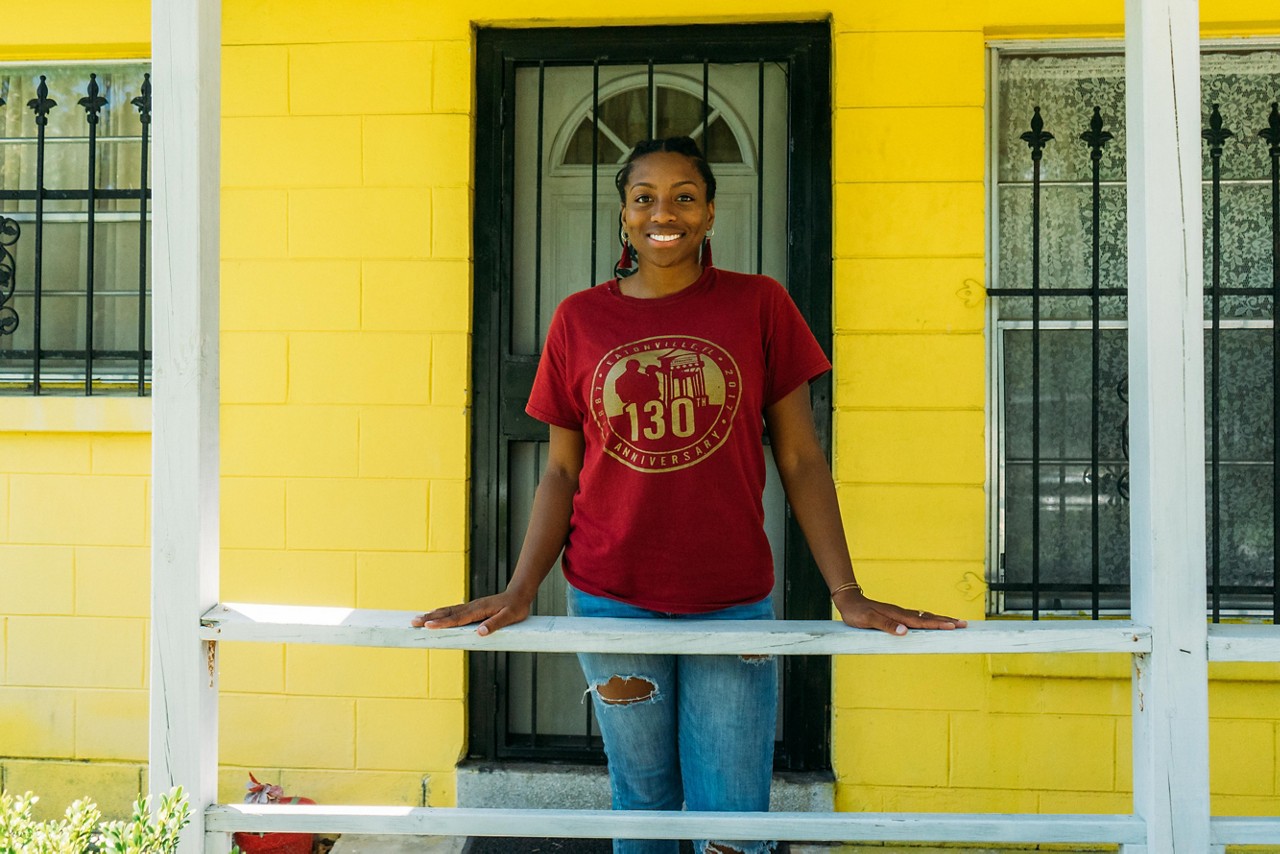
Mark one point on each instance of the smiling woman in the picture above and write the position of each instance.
(656, 388)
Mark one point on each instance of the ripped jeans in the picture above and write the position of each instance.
(693, 731)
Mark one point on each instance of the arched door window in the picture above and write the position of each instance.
(622, 118)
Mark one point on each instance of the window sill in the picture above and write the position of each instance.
(75, 414)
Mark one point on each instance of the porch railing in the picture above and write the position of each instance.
(355, 627)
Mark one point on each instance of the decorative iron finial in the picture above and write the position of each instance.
(143, 101)
(1037, 136)
(1215, 134)
(1271, 133)
(1096, 136)
(42, 103)
(94, 103)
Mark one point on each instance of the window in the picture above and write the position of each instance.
(1057, 338)
(74, 228)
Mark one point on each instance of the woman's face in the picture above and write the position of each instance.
(666, 214)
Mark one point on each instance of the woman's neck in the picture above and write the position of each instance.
(651, 282)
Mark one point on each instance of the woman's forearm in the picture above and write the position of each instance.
(812, 495)
(545, 538)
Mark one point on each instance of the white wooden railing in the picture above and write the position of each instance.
(1168, 641)
(353, 627)
(357, 627)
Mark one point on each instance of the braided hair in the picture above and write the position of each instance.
(674, 144)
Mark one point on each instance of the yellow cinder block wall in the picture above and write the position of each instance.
(346, 290)
(346, 222)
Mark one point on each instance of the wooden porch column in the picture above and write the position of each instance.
(1166, 423)
(185, 44)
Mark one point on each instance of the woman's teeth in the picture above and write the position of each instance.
(664, 238)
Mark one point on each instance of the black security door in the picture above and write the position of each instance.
(557, 109)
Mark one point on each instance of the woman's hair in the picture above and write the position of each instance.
(675, 144)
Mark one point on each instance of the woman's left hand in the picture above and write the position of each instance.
(863, 613)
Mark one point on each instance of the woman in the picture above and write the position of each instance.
(654, 385)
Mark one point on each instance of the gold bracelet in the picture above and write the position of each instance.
(848, 585)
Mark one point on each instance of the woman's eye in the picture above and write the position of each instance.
(684, 197)
(641, 199)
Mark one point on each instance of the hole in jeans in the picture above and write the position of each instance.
(625, 690)
(755, 659)
(725, 848)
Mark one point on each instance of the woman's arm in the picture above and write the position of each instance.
(812, 494)
(543, 542)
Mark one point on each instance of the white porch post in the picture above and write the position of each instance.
(1166, 422)
(185, 44)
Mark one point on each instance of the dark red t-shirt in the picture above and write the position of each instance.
(669, 394)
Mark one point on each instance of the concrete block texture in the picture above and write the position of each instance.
(909, 295)
(59, 509)
(76, 652)
(909, 220)
(884, 69)
(292, 295)
(113, 786)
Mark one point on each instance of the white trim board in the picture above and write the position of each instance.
(1241, 830)
(1244, 642)
(605, 824)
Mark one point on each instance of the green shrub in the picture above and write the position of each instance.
(81, 828)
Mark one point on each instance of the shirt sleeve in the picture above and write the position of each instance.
(792, 354)
(552, 400)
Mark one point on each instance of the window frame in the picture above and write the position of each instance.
(109, 376)
(993, 327)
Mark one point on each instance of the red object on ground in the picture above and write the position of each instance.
(272, 843)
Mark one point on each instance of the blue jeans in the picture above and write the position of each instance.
(697, 730)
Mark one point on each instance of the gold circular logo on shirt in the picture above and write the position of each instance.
(665, 403)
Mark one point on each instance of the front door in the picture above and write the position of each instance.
(565, 107)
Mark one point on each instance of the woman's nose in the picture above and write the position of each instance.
(661, 211)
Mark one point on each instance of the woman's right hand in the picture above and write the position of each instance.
(543, 542)
(495, 611)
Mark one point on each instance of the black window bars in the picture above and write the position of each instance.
(74, 317)
(1064, 387)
